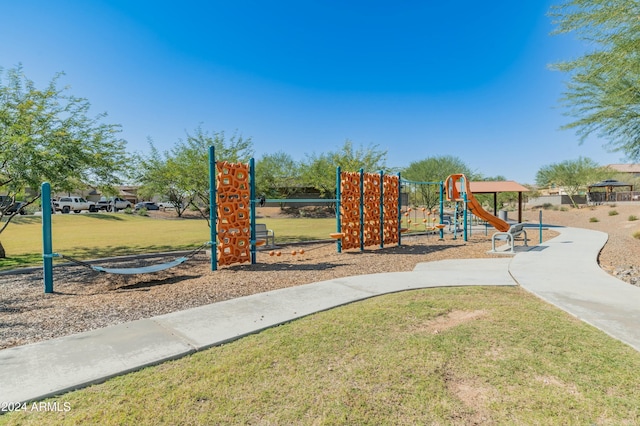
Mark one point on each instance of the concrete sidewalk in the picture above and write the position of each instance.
(562, 271)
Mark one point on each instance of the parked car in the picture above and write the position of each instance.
(166, 205)
(7, 206)
(75, 204)
(113, 204)
(148, 205)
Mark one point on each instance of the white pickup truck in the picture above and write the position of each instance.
(113, 204)
(74, 204)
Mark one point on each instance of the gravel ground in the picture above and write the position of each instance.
(86, 300)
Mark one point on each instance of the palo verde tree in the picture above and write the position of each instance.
(319, 170)
(603, 94)
(277, 175)
(571, 175)
(434, 169)
(160, 174)
(183, 172)
(48, 135)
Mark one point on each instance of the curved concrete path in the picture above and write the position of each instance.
(562, 271)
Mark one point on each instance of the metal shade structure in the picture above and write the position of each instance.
(488, 187)
(494, 187)
(610, 184)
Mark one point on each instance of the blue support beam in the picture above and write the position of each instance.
(212, 209)
(47, 241)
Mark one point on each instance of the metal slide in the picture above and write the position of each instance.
(454, 192)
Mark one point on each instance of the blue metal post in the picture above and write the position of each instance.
(470, 221)
(381, 209)
(361, 209)
(441, 209)
(399, 210)
(455, 221)
(213, 220)
(464, 215)
(252, 210)
(338, 214)
(540, 215)
(47, 244)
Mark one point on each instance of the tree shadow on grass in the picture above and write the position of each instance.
(114, 251)
(25, 220)
(20, 261)
(105, 216)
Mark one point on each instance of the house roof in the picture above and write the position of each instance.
(499, 186)
(625, 168)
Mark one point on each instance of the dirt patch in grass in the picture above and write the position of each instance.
(474, 396)
(450, 320)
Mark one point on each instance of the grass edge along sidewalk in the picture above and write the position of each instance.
(450, 355)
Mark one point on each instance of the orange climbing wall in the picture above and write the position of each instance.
(350, 209)
(390, 186)
(233, 203)
(371, 209)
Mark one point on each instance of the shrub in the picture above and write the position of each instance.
(636, 235)
(143, 212)
(613, 212)
(564, 209)
(632, 218)
(594, 219)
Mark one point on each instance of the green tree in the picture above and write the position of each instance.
(277, 175)
(571, 175)
(603, 94)
(433, 169)
(47, 135)
(319, 170)
(162, 175)
(183, 172)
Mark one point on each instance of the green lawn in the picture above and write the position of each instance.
(91, 236)
(438, 356)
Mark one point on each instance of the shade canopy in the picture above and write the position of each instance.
(489, 187)
(609, 184)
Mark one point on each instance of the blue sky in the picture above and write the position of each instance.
(417, 78)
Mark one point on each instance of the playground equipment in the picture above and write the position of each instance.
(424, 197)
(368, 206)
(368, 213)
(233, 233)
(48, 255)
(458, 190)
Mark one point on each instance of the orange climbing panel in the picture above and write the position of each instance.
(233, 204)
(371, 209)
(350, 209)
(391, 188)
